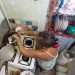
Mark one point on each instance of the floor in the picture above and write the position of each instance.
(71, 68)
(70, 72)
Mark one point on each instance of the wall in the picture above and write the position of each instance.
(1, 17)
(35, 10)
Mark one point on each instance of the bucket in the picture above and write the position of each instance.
(65, 57)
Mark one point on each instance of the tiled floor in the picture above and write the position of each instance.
(71, 68)
(72, 65)
(70, 72)
(45, 72)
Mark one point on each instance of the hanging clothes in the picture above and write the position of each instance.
(52, 5)
(68, 8)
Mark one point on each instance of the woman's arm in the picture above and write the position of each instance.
(43, 54)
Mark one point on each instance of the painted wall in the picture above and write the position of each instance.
(1, 17)
(35, 10)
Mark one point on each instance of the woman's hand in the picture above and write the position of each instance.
(52, 52)
(17, 38)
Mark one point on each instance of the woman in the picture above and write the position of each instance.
(46, 55)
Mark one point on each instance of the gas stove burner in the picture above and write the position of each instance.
(28, 42)
(24, 58)
(25, 61)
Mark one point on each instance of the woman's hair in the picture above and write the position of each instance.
(47, 39)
